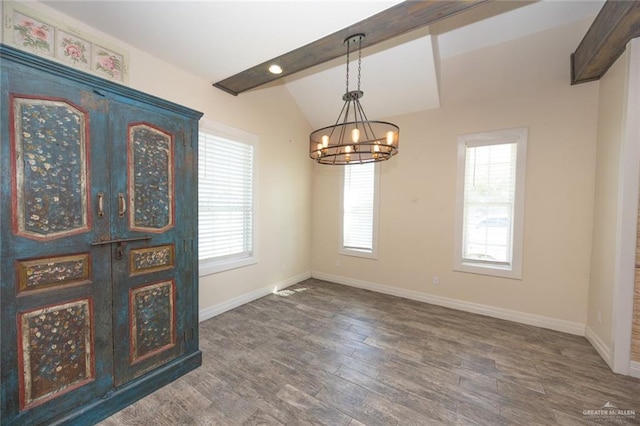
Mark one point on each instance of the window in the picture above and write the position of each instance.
(490, 203)
(360, 210)
(226, 208)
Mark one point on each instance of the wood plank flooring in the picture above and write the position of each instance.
(322, 353)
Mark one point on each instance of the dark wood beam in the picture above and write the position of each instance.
(397, 20)
(616, 24)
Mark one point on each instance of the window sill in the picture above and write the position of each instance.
(358, 253)
(490, 270)
(213, 267)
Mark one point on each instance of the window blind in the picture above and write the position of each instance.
(225, 198)
(489, 202)
(358, 207)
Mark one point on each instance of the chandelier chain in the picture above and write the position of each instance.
(359, 60)
(347, 67)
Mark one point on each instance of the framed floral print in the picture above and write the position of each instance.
(73, 50)
(33, 35)
(107, 63)
(31, 30)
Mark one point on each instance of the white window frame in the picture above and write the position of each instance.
(513, 270)
(373, 254)
(212, 266)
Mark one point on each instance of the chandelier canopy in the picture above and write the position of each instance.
(353, 139)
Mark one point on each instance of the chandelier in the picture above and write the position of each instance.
(353, 139)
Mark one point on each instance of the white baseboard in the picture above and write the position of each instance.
(476, 308)
(634, 369)
(212, 311)
(599, 346)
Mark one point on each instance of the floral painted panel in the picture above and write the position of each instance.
(152, 319)
(150, 178)
(33, 35)
(73, 50)
(57, 350)
(51, 174)
(107, 63)
(37, 33)
(53, 271)
(152, 259)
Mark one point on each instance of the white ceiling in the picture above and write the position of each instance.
(217, 39)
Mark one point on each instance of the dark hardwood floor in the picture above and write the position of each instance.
(322, 353)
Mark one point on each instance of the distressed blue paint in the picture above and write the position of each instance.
(152, 176)
(111, 110)
(59, 349)
(153, 318)
(51, 175)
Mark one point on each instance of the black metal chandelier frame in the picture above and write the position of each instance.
(354, 138)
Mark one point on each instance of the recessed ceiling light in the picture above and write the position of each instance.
(275, 69)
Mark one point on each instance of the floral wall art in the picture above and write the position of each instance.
(29, 30)
(33, 35)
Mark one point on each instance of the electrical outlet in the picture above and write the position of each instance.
(338, 263)
(599, 317)
(436, 280)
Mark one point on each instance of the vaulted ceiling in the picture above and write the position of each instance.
(217, 39)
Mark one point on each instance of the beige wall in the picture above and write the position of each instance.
(521, 83)
(612, 95)
(481, 91)
(284, 175)
(625, 322)
(635, 336)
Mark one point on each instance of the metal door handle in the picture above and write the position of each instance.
(122, 205)
(121, 240)
(100, 204)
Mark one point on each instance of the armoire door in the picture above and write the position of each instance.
(99, 240)
(98, 253)
(150, 268)
(56, 288)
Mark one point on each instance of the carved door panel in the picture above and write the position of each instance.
(56, 290)
(150, 271)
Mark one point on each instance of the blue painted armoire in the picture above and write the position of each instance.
(98, 243)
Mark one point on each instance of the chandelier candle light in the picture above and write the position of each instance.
(354, 139)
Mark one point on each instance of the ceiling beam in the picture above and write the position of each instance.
(397, 20)
(616, 24)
